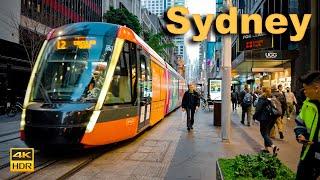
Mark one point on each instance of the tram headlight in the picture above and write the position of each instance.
(92, 122)
(23, 119)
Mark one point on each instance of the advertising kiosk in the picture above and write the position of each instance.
(214, 92)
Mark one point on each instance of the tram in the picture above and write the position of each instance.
(95, 84)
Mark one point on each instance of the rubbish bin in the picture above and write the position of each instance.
(217, 113)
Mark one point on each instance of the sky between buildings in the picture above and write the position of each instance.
(202, 7)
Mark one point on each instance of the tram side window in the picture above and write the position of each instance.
(133, 67)
(146, 81)
(120, 87)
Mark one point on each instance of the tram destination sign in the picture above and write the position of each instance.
(255, 41)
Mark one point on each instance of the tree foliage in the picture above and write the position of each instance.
(123, 17)
(31, 33)
(155, 42)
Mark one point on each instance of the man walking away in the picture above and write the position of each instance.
(279, 122)
(247, 107)
(266, 119)
(190, 103)
(234, 98)
(307, 129)
(291, 102)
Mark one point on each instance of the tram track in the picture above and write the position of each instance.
(9, 133)
(11, 139)
(37, 169)
(9, 136)
(45, 166)
(81, 166)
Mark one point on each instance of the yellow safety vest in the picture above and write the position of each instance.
(309, 117)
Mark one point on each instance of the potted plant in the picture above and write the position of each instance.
(256, 166)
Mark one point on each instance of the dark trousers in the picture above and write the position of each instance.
(234, 105)
(190, 117)
(265, 128)
(244, 110)
(308, 169)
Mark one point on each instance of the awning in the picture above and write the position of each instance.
(262, 59)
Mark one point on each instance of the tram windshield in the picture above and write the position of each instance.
(73, 69)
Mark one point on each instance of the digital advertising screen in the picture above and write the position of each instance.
(215, 86)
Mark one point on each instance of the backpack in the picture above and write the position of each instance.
(247, 100)
(275, 108)
(255, 102)
(234, 96)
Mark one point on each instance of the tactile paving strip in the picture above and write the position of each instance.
(150, 151)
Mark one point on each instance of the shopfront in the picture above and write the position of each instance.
(264, 67)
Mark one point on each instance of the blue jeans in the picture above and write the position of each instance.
(265, 128)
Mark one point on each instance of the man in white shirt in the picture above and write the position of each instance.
(291, 102)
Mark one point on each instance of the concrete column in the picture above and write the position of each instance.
(314, 30)
(226, 85)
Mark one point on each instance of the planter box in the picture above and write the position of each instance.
(238, 168)
(219, 172)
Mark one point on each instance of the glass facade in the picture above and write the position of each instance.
(60, 12)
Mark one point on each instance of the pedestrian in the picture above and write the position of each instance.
(246, 104)
(291, 102)
(256, 95)
(307, 129)
(266, 119)
(234, 99)
(301, 97)
(190, 103)
(279, 122)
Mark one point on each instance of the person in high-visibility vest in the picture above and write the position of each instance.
(307, 129)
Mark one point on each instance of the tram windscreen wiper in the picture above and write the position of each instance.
(45, 94)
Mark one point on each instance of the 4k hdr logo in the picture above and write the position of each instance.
(21, 159)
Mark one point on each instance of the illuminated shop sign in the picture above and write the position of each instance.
(271, 55)
(252, 41)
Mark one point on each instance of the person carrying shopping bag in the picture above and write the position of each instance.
(190, 103)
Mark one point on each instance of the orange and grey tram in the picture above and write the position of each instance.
(95, 84)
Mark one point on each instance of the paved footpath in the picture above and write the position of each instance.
(169, 151)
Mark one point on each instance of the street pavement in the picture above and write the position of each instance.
(9, 124)
(169, 151)
(9, 137)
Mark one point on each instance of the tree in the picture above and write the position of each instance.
(31, 32)
(156, 43)
(123, 17)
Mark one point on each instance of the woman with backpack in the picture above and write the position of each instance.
(266, 118)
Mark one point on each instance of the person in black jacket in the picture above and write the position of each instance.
(190, 103)
(266, 120)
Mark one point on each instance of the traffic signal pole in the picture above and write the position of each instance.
(226, 85)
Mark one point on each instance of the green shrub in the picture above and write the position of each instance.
(259, 166)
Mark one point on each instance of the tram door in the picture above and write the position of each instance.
(145, 90)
